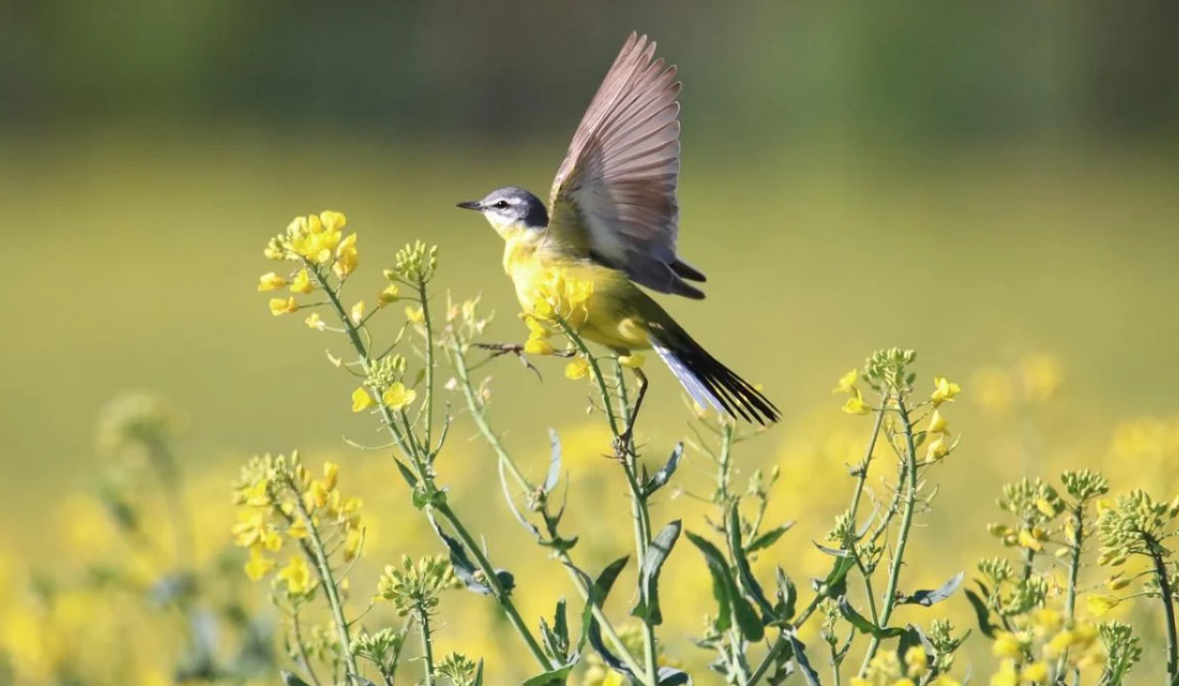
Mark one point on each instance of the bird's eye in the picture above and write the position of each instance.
(502, 205)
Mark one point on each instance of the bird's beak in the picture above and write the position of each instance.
(470, 205)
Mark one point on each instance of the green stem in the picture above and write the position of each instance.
(894, 573)
(780, 644)
(1160, 571)
(429, 353)
(419, 461)
(479, 414)
(1074, 569)
(328, 581)
(427, 645)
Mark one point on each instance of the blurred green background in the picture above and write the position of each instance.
(977, 182)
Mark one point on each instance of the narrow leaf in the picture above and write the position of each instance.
(728, 596)
(666, 471)
(864, 624)
(981, 613)
(479, 674)
(925, 598)
(648, 604)
(503, 480)
(746, 581)
(804, 665)
(767, 538)
(407, 474)
(550, 481)
(554, 676)
(787, 596)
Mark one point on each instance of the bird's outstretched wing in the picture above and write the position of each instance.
(614, 196)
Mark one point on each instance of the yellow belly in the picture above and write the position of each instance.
(616, 311)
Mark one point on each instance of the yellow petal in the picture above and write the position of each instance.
(847, 382)
(270, 282)
(537, 346)
(278, 306)
(398, 396)
(577, 369)
(415, 315)
(302, 282)
(258, 566)
(937, 423)
(357, 314)
(944, 390)
(314, 322)
(633, 360)
(855, 405)
(1027, 540)
(391, 294)
(1100, 604)
(333, 221)
(361, 399)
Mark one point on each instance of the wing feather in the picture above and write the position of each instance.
(614, 198)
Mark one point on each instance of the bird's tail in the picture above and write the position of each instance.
(710, 383)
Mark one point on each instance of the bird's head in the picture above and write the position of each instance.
(511, 211)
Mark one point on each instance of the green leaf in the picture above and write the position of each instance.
(554, 676)
(550, 481)
(925, 598)
(529, 526)
(787, 597)
(912, 638)
(648, 606)
(767, 538)
(745, 579)
(407, 474)
(479, 674)
(804, 665)
(836, 581)
(981, 612)
(665, 472)
(732, 606)
(289, 679)
(865, 625)
(556, 637)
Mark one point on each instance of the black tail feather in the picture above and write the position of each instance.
(699, 371)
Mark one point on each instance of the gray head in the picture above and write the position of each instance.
(511, 208)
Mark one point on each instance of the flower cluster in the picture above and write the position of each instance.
(282, 502)
(416, 587)
(386, 382)
(890, 669)
(1043, 648)
(316, 243)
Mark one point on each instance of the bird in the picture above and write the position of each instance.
(612, 220)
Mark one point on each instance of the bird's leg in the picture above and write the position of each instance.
(625, 441)
(517, 349)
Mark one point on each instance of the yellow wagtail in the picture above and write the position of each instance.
(611, 221)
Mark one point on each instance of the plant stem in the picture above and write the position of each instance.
(1160, 571)
(780, 644)
(429, 353)
(328, 581)
(424, 473)
(303, 657)
(1074, 569)
(894, 573)
(479, 414)
(427, 645)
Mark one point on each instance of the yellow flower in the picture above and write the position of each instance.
(1037, 673)
(937, 423)
(847, 382)
(917, 661)
(855, 404)
(944, 680)
(1028, 540)
(415, 315)
(1100, 604)
(302, 282)
(1007, 645)
(1008, 674)
(1047, 621)
(258, 565)
(398, 396)
(357, 314)
(361, 399)
(270, 282)
(314, 322)
(633, 360)
(391, 294)
(297, 530)
(577, 369)
(258, 494)
(538, 346)
(346, 257)
(313, 240)
(937, 449)
(331, 474)
(944, 390)
(1042, 375)
(333, 221)
(297, 575)
(253, 531)
(278, 306)
(860, 681)
(1045, 507)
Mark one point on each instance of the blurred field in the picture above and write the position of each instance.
(134, 257)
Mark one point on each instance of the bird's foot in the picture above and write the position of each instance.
(624, 445)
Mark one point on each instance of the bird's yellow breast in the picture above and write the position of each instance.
(616, 311)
